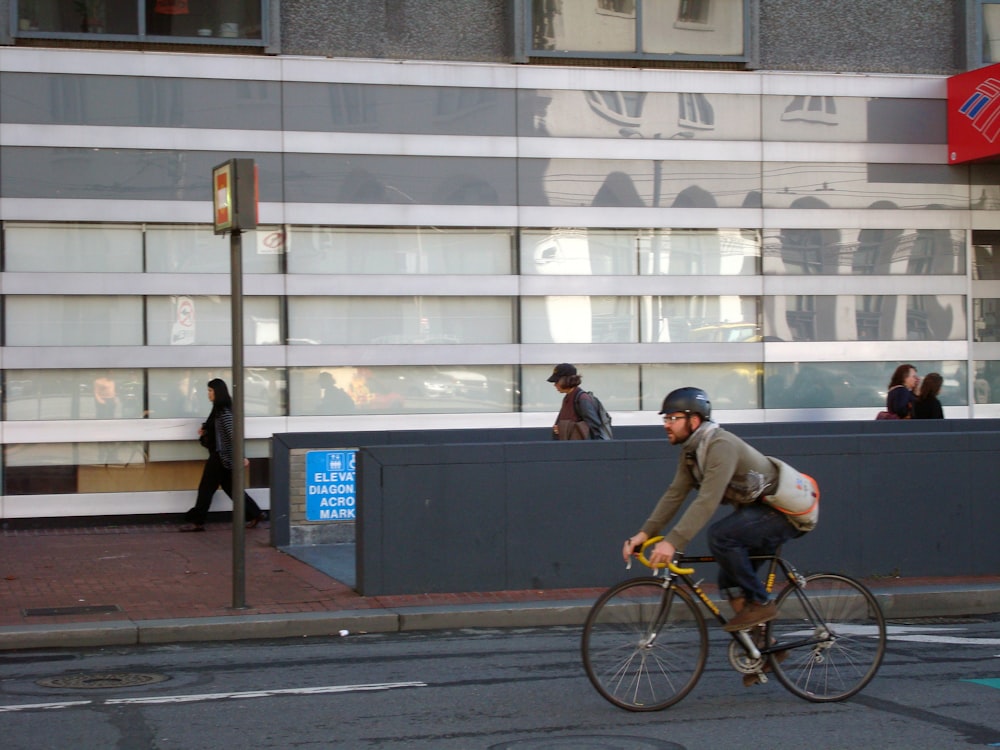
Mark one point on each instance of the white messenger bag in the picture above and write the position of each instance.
(797, 496)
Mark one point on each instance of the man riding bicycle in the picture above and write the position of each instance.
(723, 469)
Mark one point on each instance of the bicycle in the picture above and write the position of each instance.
(645, 640)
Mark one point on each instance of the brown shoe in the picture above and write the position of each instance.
(192, 527)
(752, 614)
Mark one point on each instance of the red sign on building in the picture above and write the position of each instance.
(974, 116)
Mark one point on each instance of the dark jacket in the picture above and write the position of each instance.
(928, 408)
(899, 400)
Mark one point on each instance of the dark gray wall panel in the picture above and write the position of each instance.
(541, 515)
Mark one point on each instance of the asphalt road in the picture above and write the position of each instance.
(939, 687)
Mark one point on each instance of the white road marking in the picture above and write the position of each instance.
(264, 693)
(42, 706)
(216, 696)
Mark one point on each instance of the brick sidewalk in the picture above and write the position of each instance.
(151, 572)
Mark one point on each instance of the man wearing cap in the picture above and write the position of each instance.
(578, 418)
(723, 469)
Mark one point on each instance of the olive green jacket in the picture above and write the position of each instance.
(724, 469)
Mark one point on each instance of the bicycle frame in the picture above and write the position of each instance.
(775, 562)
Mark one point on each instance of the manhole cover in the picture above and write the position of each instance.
(103, 680)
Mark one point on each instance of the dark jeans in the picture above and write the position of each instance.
(753, 529)
(213, 476)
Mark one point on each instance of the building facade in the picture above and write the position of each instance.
(753, 196)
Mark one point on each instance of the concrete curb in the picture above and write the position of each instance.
(896, 602)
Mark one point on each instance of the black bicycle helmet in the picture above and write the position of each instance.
(688, 400)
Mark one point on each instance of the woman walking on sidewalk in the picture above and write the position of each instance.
(216, 434)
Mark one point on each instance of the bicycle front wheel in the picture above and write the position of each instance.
(644, 644)
(835, 649)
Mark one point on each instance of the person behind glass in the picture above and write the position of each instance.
(926, 405)
(578, 418)
(216, 434)
(902, 391)
(722, 469)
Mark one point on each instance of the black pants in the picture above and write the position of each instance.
(213, 476)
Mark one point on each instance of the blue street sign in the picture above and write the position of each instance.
(330, 485)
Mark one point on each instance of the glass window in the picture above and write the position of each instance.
(579, 320)
(865, 317)
(812, 185)
(65, 468)
(49, 320)
(73, 248)
(338, 391)
(426, 250)
(564, 252)
(986, 319)
(206, 321)
(206, 20)
(990, 30)
(729, 385)
(702, 252)
(400, 320)
(140, 101)
(617, 386)
(986, 255)
(938, 252)
(183, 392)
(638, 183)
(717, 320)
(367, 108)
(986, 382)
(652, 115)
(637, 28)
(824, 385)
(73, 394)
(196, 249)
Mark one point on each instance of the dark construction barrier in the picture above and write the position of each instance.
(493, 510)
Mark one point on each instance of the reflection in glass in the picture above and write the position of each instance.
(73, 248)
(73, 394)
(225, 20)
(725, 319)
(865, 317)
(446, 389)
(696, 27)
(586, 252)
(828, 385)
(729, 385)
(579, 320)
(196, 249)
(639, 183)
(991, 32)
(617, 386)
(49, 320)
(986, 382)
(183, 392)
(654, 115)
(400, 320)
(183, 320)
(713, 252)
(583, 25)
(986, 319)
(812, 185)
(986, 258)
(864, 252)
(420, 250)
(127, 466)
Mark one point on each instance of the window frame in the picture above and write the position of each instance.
(525, 50)
(215, 41)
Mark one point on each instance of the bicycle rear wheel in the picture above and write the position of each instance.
(840, 653)
(644, 646)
